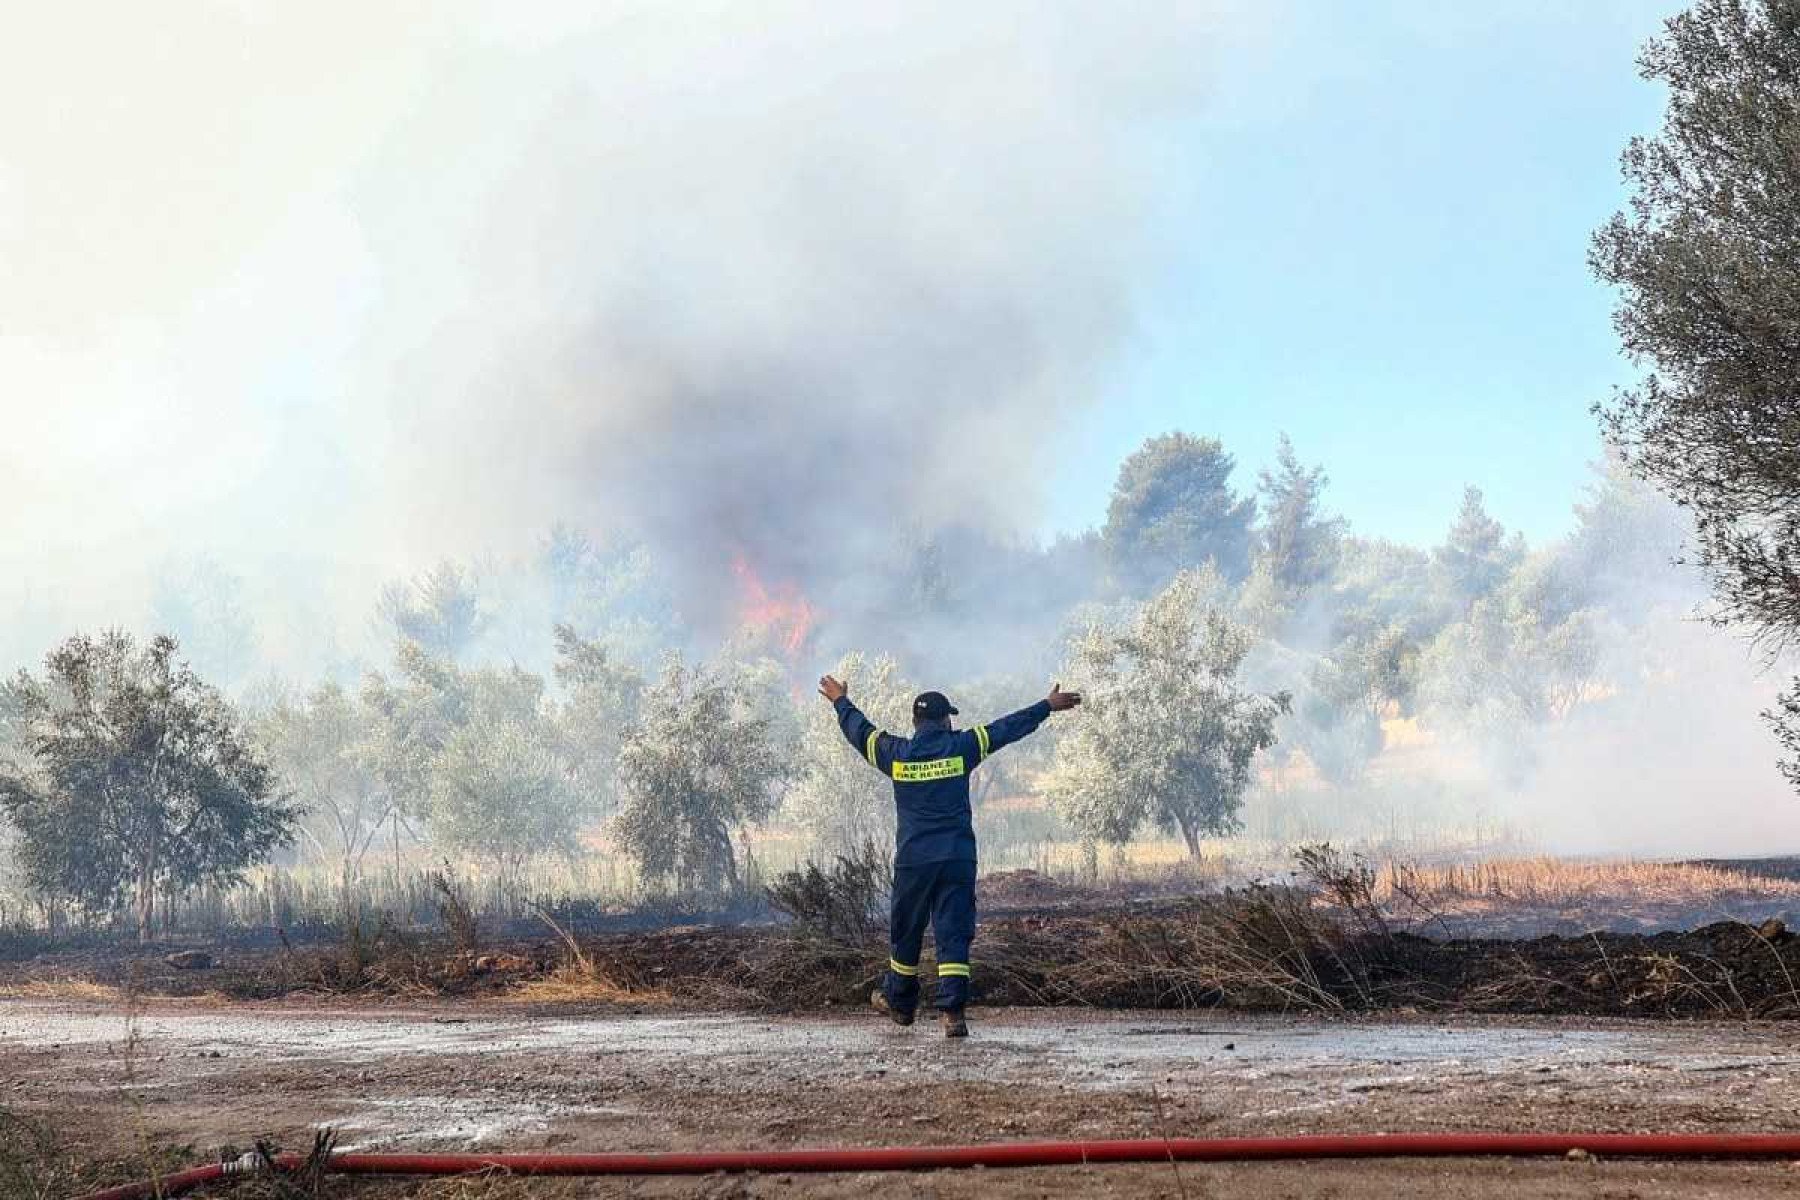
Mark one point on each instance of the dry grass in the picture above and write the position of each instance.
(67, 990)
(1564, 883)
(574, 985)
(1266, 948)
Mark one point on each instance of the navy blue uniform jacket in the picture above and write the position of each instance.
(931, 772)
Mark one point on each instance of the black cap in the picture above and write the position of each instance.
(932, 706)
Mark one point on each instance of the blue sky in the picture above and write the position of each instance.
(1375, 240)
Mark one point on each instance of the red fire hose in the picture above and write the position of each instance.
(1015, 1154)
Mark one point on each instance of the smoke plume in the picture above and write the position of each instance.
(331, 291)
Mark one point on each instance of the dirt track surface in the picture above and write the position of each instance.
(495, 1077)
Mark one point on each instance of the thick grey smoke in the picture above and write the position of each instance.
(331, 291)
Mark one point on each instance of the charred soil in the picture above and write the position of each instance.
(1257, 950)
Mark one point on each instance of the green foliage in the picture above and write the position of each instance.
(1785, 718)
(1624, 552)
(501, 791)
(441, 611)
(1166, 734)
(477, 754)
(1476, 555)
(1504, 671)
(1295, 539)
(141, 781)
(319, 749)
(410, 719)
(1172, 508)
(1383, 585)
(699, 765)
(1707, 261)
(600, 700)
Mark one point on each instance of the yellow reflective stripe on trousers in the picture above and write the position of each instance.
(981, 735)
(946, 970)
(900, 968)
(869, 748)
(923, 772)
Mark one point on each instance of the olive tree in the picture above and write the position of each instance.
(502, 790)
(140, 780)
(600, 701)
(1707, 262)
(1168, 736)
(501, 784)
(318, 746)
(696, 768)
(477, 755)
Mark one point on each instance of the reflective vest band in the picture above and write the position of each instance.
(950, 970)
(981, 736)
(869, 748)
(925, 772)
(900, 968)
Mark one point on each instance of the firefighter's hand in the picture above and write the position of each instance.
(1061, 701)
(832, 689)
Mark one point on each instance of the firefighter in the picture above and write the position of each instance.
(934, 855)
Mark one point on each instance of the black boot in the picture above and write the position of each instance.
(954, 1024)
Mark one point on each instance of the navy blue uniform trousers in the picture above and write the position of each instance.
(943, 894)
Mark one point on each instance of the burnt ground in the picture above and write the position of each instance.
(1259, 1012)
(181, 1079)
(1253, 953)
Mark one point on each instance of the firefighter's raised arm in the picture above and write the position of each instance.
(859, 731)
(1013, 726)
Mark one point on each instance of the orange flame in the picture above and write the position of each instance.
(780, 610)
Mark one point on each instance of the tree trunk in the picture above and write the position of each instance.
(146, 897)
(1190, 833)
(730, 853)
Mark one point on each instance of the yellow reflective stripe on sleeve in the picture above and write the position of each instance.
(924, 772)
(981, 735)
(900, 968)
(948, 970)
(869, 748)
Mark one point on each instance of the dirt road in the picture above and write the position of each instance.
(496, 1077)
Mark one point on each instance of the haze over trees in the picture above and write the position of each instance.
(321, 747)
(441, 610)
(1213, 701)
(1707, 262)
(1168, 735)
